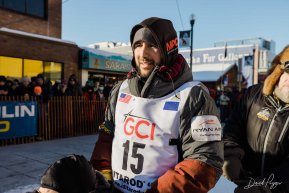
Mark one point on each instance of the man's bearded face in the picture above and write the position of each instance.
(282, 90)
(147, 56)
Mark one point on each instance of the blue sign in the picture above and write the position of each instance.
(18, 119)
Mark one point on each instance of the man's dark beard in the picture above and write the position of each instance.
(139, 70)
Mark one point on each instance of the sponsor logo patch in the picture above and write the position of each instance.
(172, 45)
(206, 128)
(264, 114)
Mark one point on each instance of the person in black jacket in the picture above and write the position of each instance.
(3, 87)
(24, 88)
(256, 135)
(72, 88)
(46, 91)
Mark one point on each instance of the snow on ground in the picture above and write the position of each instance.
(24, 189)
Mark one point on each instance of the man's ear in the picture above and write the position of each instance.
(272, 80)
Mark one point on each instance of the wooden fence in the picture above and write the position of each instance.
(62, 117)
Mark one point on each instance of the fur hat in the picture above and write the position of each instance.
(275, 71)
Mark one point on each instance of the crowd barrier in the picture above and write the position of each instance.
(60, 117)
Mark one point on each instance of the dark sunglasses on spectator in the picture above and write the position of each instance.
(286, 66)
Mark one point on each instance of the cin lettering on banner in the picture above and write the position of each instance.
(131, 126)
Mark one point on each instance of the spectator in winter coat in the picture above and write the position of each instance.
(33, 81)
(100, 94)
(212, 94)
(16, 83)
(55, 87)
(224, 99)
(89, 94)
(108, 88)
(25, 88)
(96, 86)
(3, 87)
(73, 89)
(46, 91)
(256, 135)
(37, 95)
(9, 84)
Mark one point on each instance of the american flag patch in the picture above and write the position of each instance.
(125, 98)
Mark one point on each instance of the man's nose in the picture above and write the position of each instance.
(144, 51)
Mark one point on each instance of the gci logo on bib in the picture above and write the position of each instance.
(206, 128)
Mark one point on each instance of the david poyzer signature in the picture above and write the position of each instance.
(264, 182)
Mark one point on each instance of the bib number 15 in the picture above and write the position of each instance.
(135, 169)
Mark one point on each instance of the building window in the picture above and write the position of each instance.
(52, 71)
(18, 67)
(35, 7)
(11, 67)
(32, 67)
(31, 7)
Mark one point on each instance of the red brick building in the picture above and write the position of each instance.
(30, 40)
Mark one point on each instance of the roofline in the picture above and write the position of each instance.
(240, 39)
(7, 31)
(216, 48)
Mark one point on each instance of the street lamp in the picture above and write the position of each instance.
(192, 19)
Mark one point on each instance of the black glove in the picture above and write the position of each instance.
(232, 168)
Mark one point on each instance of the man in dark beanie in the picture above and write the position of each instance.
(156, 135)
(72, 88)
(73, 174)
(256, 135)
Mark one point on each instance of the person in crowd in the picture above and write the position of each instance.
(16, 83)
(224, 99)
(89, 94)
(256, 135)
(108, 88)
(25, 88)
(73, 174)
(233, 96)
(100, 94)
(11, 87)
(217, 97)
(3, 87)
(153, 112)
(212, 94)
(96, 86)
(73, 89)
(37, 95)
(46, 91)
(33, 81)
(61, 88)
(55, 87)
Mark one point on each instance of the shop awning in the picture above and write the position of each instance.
(210, 72)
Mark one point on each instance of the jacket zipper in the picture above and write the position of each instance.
(284, 129)
(266, 140)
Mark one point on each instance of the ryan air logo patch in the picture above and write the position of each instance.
(264, 114)
(206, 128)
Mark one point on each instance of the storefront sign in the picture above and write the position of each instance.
(111, 63)
(18, 119)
